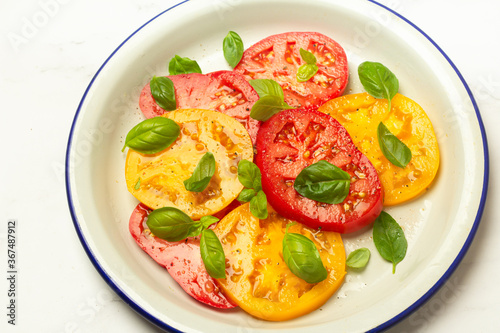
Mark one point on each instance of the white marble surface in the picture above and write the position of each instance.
(49, 51)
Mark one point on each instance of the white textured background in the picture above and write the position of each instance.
(49, 51)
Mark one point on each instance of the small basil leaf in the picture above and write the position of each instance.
(138, 184)
(202, 174)
(305, 72)
(393, 149)
(246, 195)
(202, 224)
(212, 254)
(323, 182)
(268, 106)
(265, 87)
(258, 205)
(232, 47)
(358, 258)
(162, 89)
(208, 220)
(152, 135)
(271, 99)
(389, 239)
(302, 258)
(378, 80)
(249, 174)
(308, 57)
(179, 65)
(171, 224)
(257, 183)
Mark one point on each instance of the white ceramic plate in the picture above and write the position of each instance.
(439, 225)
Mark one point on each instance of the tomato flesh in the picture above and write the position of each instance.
(360, 114)
(157, 180)
(277, 57)
(224, 91)
(181, 259)
(257, 278)
(293, 139)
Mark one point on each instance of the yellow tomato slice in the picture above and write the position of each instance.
(257, 278)
(361, 114)
(162, 175)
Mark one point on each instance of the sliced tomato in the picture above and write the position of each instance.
(257, 277)
(157, 180)
(224, 91)
(181, 259)
(277, 57)
(360, 114)
(293, 139)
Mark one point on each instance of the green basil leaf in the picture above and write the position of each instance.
(271, 99)
(393, 149)
(202, 224)
(162, 89)
(208, 220)
(308, 57)
(212, 254)
(305, 72)
(138, 184)
(265, 87)
(179, 65)
(249, 175)
(257, 182)
(172, 224)
(302, 257)
(268, 106)
(358, 258)
(232, 47)
(246, 195)
(389, 239)
(202, 174)
(152, 135)
(258, 205)
(323, 182)
(378, 80)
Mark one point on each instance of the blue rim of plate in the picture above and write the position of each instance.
(421, 301)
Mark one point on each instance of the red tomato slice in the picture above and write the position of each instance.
(223, 91)
(278, 58)
(181, 259)
(293, 139)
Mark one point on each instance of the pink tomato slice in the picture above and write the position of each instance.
(181, 259)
